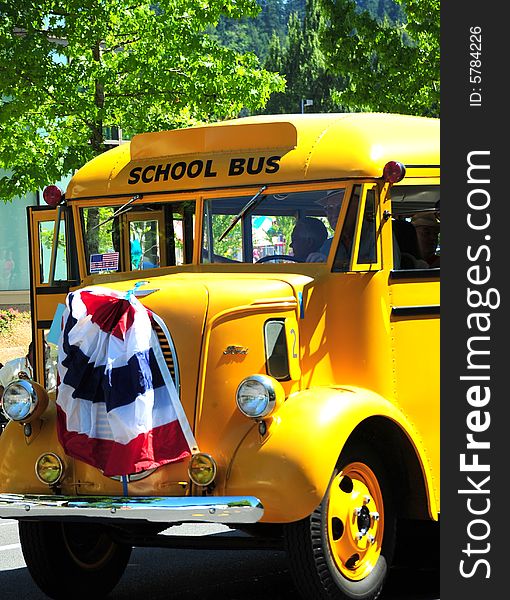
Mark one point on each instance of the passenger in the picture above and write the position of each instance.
(427, 228)
(407, 240)
(136, 253)
(308, 236)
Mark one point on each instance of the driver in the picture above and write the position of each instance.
(331, 203)
(307, 237)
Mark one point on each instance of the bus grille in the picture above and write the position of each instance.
(165, 347)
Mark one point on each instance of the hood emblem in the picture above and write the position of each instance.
(235, 350)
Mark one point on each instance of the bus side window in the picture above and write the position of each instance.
(416, 226)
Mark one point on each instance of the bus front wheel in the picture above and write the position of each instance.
(343, 550)
(72, 560)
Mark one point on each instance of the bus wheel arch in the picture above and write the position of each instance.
(402, 464)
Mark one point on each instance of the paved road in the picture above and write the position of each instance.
(199, 575)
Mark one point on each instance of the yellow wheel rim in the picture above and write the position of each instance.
(355, 525)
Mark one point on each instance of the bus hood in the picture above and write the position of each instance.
(216, 323)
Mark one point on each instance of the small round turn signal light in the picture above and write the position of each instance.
(202, 469)
(49, 468)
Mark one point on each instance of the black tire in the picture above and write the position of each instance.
(327, 560)
(72, 560)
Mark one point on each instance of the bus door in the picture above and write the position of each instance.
(47, 292)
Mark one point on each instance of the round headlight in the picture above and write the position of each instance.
(202, 469)
(49, 468)
(257, 396)
(19, 400)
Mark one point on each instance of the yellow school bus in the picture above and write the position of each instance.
(293, 302)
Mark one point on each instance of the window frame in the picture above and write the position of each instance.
(125, 218)
(356, 264)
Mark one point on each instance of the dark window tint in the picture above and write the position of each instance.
(367, 246)
(277, 359)
(344, 250)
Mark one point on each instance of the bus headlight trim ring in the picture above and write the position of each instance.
(257, 396)
(19, 400)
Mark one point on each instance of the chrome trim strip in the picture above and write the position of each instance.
(433, 273)
(190, 509)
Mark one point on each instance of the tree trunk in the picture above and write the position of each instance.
(97, 144)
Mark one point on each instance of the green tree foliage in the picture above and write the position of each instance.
(253, 34)
(284, 226)
(382, 9)
(231, 245)
(302, 62)
(390, 59)
(70, 68)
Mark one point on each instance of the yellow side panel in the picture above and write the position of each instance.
(416, 360)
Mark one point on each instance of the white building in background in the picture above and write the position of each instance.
(14, 266)
(14, 256)
(14, 247)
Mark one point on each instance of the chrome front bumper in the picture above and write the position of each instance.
(189, 509)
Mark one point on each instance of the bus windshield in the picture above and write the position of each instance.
(286, 227)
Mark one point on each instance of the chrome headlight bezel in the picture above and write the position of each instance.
(27, 404)
(268, 396)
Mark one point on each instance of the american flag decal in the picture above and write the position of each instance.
(104, 262)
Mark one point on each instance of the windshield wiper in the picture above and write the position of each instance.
(120, 210)
(250, 205)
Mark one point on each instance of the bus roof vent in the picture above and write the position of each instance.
(214, 138)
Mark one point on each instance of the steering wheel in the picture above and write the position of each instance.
(277, 257)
